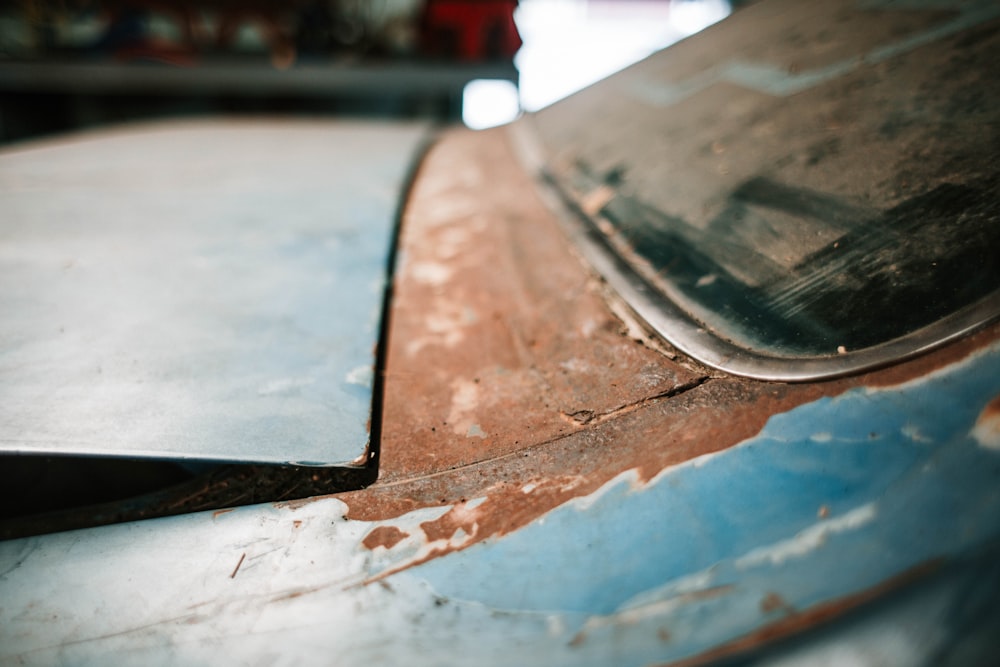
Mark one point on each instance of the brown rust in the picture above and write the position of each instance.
(991, 411)
(773, 602)
(384, 536)
(562, 398)
(496, 331)
(520, 486)
(987, 428)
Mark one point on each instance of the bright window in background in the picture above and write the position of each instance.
(488, 103)
(570, 44)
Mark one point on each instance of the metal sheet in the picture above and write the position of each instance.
(830, 502)
(686, 525)
(206, 290)
(501, 339)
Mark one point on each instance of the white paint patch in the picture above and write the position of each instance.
(424, 550)
(284, 386)
(986, 432)
(464, 401)
(808, 540)
(705, 281)
(913, 433)
(556, 626)
(528, 488)
(430, 273)
(691, 583)
(445, 323)
(475, 431)
(574, 365)
(447, 326)
(636, 614)
(464, 514)
(361, 376)
(821, 437)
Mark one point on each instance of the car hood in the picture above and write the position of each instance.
(198, 290)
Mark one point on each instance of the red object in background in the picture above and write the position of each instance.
(470, 29)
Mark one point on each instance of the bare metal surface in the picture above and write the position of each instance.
(472, 410)
(198, 290)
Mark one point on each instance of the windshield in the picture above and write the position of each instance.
(802, 192)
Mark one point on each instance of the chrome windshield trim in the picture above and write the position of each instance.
(679, 329)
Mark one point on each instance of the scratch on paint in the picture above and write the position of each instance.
(237, 568)
(633, 615)
(809, 539)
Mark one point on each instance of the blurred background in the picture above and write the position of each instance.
(68, 64)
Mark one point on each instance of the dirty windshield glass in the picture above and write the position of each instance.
(800, 192)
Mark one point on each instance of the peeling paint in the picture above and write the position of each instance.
(636, 613)
(361, 376)
(987, 429)
(611, 543)
(689, 535)
(913, 433)
(809, 539)
(430, 273)
(515, 305)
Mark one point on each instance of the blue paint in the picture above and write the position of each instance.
(901, 457)
(228, 290)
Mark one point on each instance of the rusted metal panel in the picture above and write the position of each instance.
(792, 526)
(556, 511)
(499, 339)
(690, 525)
